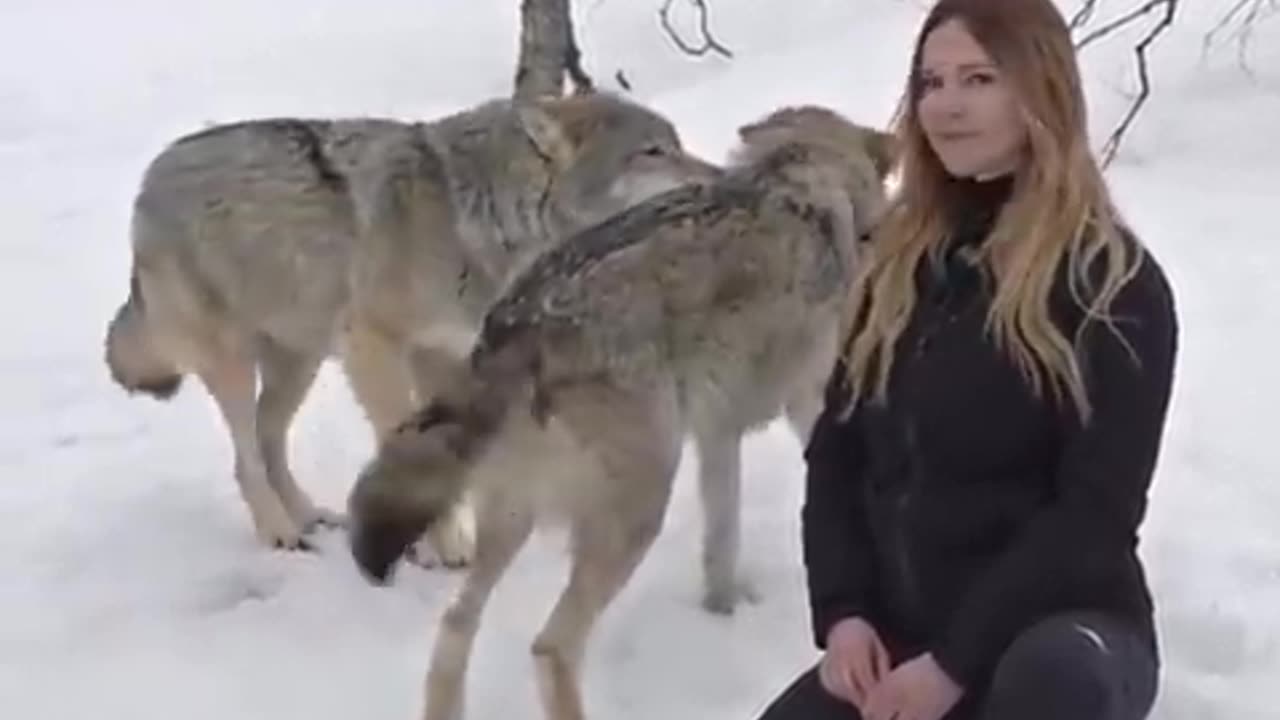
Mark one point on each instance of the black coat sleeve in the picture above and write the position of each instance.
(1101, 480)
(835, 537)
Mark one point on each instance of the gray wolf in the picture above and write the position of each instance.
(710, 309)
(261, 248)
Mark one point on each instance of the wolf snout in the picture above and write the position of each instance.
(377, 548)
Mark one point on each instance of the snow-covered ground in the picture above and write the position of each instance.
(130, 585)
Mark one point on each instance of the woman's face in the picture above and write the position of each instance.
(968, 111)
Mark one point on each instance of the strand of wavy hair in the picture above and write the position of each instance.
(1059, 212)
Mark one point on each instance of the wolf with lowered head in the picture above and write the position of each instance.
(261, 248)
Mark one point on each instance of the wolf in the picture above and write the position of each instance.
(710, 309)
(262, 248)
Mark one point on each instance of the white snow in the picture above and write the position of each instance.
(130, 584)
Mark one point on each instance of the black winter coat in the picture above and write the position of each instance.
(963, 509)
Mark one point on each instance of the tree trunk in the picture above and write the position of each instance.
(546, 44)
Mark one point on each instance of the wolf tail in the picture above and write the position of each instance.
(131, 352)
(423, 467)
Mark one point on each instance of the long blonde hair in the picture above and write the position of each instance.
(1059, 211)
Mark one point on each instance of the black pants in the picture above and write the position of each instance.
(1076, 666)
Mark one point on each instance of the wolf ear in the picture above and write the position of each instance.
(546, 133)
(883, 149)
(746, 131)
(776, 120)
(764, 133)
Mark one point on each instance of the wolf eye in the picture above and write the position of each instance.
(653, 151)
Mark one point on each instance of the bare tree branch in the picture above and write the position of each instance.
(709, 42)
(622, 80)
(582, 83)
(1131, 16)
(1242, 19)
(1084, 14)
(547, 51)
(1170, 7)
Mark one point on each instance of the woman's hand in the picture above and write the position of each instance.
(915, 690)
(855, 661)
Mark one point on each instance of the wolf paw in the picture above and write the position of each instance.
(318, 518)
(454, 551)
(724, 598)
(425, 554)
(444, 545)
(306, 514)
(422, 554)
(278, 531)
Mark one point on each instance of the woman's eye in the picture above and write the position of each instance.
(929, 82)
(983, 78)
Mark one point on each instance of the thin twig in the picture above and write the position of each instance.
(582, 83)
(1084, 14)
(1226, 19)
(1144, 81)
(1254, 12)
(709, 42)
(1125, 19)
(622, 80)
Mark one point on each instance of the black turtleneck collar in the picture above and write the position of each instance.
(972, 206)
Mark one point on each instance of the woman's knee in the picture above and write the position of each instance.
(806, 699)
(1075, 665)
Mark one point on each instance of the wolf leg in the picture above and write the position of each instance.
(807, 395)
(232, 383)
(450, 540)
(287, 375)
(637, 439)
(377, 367)
(720, 483)
(803, 408)
(502, 531)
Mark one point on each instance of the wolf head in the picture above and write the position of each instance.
(418, 473)
(820, 128)
(816, 146)
(608, 153)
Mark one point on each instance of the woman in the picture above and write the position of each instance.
(977, 479)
